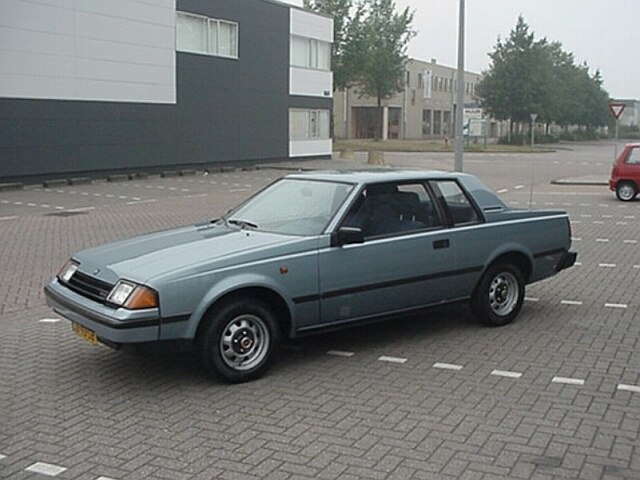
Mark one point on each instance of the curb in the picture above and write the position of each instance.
(567, 181)
(5, 187)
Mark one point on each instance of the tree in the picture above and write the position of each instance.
(384, 36)
(514, 87)
(369, 45)
(528, 76)
(347, 38)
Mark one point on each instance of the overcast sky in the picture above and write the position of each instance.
(604, 33)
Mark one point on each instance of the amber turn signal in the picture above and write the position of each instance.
(142, 297)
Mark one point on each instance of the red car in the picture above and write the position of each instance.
(625, 175)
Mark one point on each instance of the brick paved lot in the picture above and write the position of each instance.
(435, 396)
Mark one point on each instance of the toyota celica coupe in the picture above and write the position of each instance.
(312, 252)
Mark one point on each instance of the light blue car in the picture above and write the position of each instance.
(311, 252)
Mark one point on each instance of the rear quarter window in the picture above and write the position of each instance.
(455, 202)
(633, 158)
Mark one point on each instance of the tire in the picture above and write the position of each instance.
(626, 191)
(238, 340)
(498, 297)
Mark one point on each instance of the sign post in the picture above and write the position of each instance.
(616, 109)
(533, 120)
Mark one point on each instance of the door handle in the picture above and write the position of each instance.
(444, 243)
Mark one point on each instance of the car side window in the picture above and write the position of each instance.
(390, 208)
(634, 156)
(455, 201)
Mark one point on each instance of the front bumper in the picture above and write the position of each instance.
(568, 260)
(112, 326)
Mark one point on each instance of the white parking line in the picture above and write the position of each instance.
(8, 218)
(518, 187)
(531, 299)
(384, 358)
(341, 353)
(607, 265)
(105, 478)
(2, 457)
(586, 216)
(615, 305)
(447, 366)
(570, 302)
(622, 223)
(576, 239)
(504, 190)
(602, 240)
(629, 388)
(59, 207)
(598, 222)
(568, 381)
(151, 200)
(607, 216)
(505, 373)
(578, 264)
(630, 242)
(630, 217)
(49, 320)
(45, 469)
(636, 266)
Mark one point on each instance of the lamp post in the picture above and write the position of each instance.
(459, 142)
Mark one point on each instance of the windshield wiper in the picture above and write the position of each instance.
(242, 223)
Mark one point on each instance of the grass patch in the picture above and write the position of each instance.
(430, 146)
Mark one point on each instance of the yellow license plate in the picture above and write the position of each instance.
(85, 333)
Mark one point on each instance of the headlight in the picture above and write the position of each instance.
(133, 296)
(67, 271)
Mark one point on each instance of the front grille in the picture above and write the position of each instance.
(89, 287)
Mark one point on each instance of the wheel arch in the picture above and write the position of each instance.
(515, 256)
(267, 295)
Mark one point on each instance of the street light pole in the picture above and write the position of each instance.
(459, 141)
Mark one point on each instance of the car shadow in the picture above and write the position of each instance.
(146, 369)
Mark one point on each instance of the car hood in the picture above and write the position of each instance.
(157, 254)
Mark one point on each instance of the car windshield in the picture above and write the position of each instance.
(292, 206)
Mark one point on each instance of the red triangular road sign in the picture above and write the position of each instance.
(616, 109)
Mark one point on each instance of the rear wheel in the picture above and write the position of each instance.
(238, 340)
(498, 297)
(626, 191)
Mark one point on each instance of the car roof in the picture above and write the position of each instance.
(374, 175)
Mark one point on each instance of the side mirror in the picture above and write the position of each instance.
(347, 236)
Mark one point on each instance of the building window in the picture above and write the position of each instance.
(310, 53)
(308, 124)
(426, 123)
(437, 122)
(446, 122)
(208, 36)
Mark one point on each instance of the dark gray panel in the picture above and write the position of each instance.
(298, 101)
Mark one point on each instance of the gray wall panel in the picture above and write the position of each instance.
(227, 110)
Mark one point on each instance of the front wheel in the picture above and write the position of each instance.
(498, 297)
(626, 191)
(238, 339)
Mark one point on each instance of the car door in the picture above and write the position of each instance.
(402, 262)
(469, 246)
